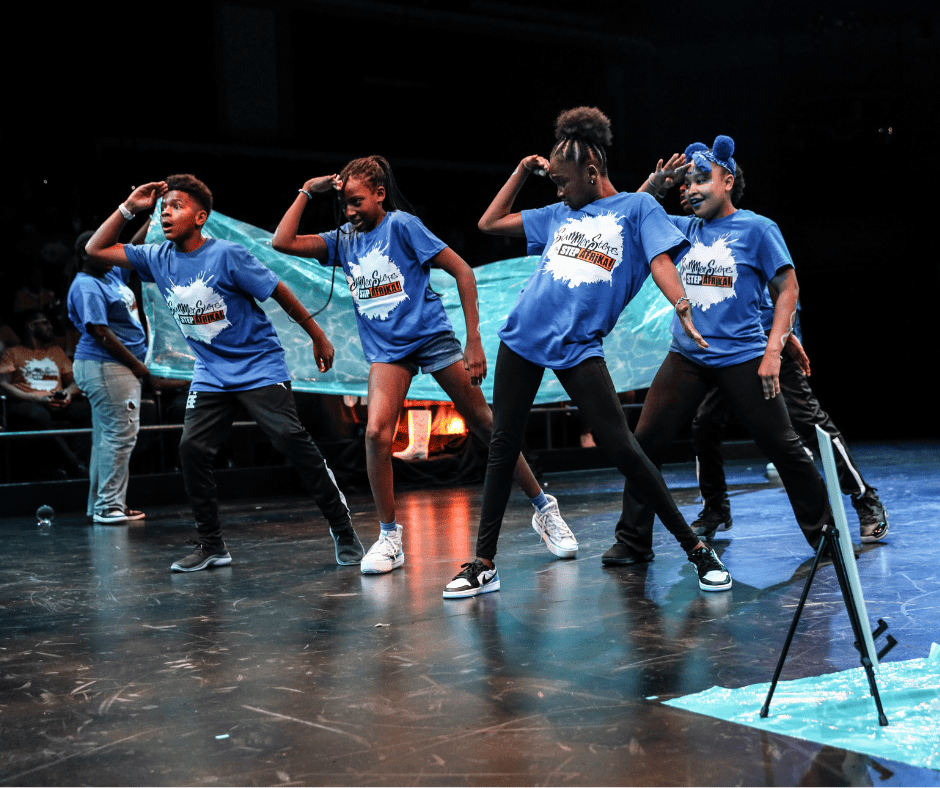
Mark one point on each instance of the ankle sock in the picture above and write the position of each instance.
(539, 501)
(390, 527)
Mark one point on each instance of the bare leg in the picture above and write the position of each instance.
(388, 385)
(469, 401)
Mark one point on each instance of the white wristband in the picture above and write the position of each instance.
(124, 212)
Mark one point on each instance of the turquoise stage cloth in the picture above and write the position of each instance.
(838, 710)
(634, 350)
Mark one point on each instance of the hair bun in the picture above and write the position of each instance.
(584, 123)
(723, 148)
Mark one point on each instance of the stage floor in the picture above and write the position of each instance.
(285, 668)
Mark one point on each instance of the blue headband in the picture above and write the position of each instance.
(720, 154)
(695, 147)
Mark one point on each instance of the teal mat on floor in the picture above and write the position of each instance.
(838, 710)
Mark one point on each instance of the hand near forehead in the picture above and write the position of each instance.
(323, 183)
(537, 164)
(668, 174)
(145, 197)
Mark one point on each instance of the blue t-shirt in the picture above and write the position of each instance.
(213, 294)
(389, 274)
(767, 315)
(594, 261)
(725, 273)
(107, 301)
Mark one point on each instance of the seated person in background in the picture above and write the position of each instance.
(41, 393)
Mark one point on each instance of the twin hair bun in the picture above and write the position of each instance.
(723, 147)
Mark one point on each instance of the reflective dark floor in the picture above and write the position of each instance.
(285, 668)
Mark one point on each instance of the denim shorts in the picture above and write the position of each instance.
(437, 353)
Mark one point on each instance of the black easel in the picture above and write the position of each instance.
(831, 544)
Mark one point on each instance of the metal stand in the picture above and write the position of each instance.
(836, 543)
(831, 540)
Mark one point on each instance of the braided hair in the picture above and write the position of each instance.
(583, 133)
(376, 171)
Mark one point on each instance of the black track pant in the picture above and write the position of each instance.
(209, 416)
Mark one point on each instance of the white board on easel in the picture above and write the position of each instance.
(845, 541)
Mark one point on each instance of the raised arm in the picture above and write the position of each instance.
(497, 219)
(663, 271)
(665, 176)
(784, 292)
(323, 350)
(103, 245)
(474, 360)
(286, 239)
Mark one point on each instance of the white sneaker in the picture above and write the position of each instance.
(385, 555)
(555, 531)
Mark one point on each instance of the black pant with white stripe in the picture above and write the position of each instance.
(209, 416)
(709, 424)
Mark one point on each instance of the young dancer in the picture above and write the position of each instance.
(735, 254)
(804, 409)
(598, 247)
(109, 367)
(387, 254)
(212, 288)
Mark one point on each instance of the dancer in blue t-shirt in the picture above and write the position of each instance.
(212, 288)
(387, 255)
(598, 246)
(734, 255)
(108, 367)
(803, 407)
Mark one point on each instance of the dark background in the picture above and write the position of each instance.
(833, 109)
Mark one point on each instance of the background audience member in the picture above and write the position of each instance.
(36, 377)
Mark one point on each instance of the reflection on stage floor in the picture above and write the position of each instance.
(285, 668)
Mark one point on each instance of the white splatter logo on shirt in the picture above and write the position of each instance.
(586, 250)
(377, 284)
(42, 374)
(130, 301)
(709, 273)
(200, 312)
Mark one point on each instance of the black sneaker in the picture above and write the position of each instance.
(347, 546)
(474, 578)
(621, 555)
(712, 575)
(712, 519)
(872, 515)
(202, 558)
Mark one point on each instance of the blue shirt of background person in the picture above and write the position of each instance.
(594, 261)
(725, 274)
(213, 294)
(105, 301)
(389, 274)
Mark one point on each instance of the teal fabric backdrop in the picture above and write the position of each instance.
(634, 350)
